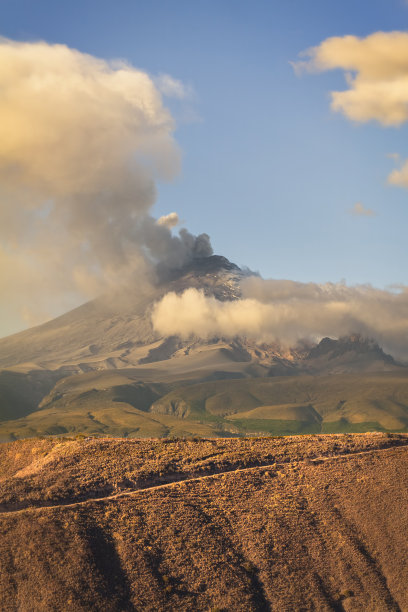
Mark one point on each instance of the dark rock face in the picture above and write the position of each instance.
(214, 275)
(164, 351)
(214, 263)
(199, 266)
(331, 349)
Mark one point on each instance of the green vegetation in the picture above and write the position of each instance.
(276, 427)
(20, 393)
(344, 426)
(117, 403)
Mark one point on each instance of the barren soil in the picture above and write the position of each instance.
(297, 523)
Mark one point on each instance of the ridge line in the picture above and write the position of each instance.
(123, 494)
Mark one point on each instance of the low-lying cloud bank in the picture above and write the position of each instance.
(83, 143)
(289, 312)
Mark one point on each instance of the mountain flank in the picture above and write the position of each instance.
(115, 331)
(118, 402)
(102, 369)
(310, 522)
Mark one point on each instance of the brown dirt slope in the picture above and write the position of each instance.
(299, 523)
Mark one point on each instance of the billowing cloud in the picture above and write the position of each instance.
(376, 71)
(170, 220)
(359, 210)
(82, 143)
(287, 312)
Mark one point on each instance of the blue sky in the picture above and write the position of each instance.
(269, 171)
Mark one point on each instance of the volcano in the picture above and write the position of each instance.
(115, 331)
(105, 357)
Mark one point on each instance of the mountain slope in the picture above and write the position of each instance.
(114, 330)
(118, 403)
(313, 523)
(101, 368)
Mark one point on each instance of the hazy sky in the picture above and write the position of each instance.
(282, 179)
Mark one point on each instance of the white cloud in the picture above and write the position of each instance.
(399, 176)
(169, 221)
(82, 143)
(289, 311)
(359, 210)
(376, 71)
(173, 88)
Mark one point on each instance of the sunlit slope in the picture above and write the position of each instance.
(328, 402)
(92, 333)
(115, 330)
(299, 523)
(119, 403)
(103, 369)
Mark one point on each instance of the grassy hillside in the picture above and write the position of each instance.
(117, 403)
(20, 393)
(313, 523)
(303, 403)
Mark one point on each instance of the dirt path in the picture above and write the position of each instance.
(214, 474)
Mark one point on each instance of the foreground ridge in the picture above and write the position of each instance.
(304, 522)
(274, 467)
